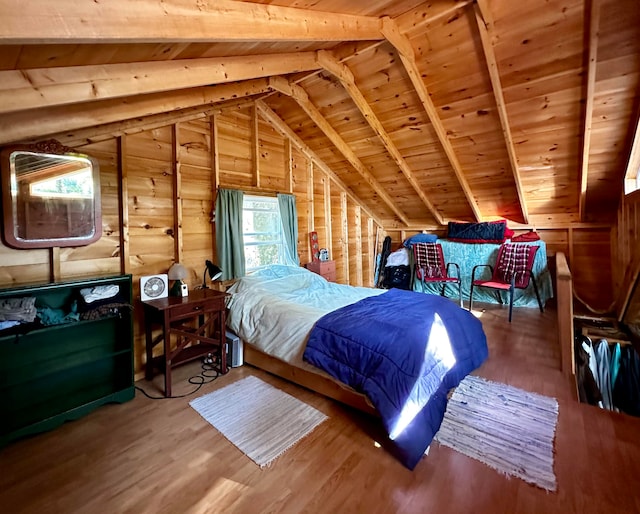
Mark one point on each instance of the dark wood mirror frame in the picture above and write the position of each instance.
(37, 216)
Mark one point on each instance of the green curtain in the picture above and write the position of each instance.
(229, 242)
(289, 217)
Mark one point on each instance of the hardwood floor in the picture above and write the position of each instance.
(160, 456)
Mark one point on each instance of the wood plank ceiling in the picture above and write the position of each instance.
(427, 111)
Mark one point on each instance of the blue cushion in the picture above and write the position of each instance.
(420, 238)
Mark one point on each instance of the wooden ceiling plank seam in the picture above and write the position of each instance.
(136, 125)
(123, 21)
(594, 22)
(278, 123)
(485, 28)
(45, 87)
(413, 20)
(405, 50)
(328, 61)
(302, 98)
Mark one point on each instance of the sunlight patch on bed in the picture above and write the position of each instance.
(439, 346)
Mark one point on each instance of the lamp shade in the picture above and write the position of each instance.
(214, 271)
(177, 272)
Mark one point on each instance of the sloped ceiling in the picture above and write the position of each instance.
(427, 111)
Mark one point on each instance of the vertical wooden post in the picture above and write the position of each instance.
(177, 191)
(344, 226)
(357, 229)
(288, 166)
(255, 146)
(123, 204)
(565, 314)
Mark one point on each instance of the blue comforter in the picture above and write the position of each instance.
(404, 350)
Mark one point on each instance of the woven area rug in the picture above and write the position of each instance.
(260, 420)
(504, 427)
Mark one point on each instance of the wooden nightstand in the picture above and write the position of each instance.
(326, 269)
(198, 319)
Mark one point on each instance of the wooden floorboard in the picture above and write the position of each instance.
(160, 456)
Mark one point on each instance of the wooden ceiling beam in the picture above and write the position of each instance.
(302, 99)
(79, 118)
(278, 123)
(485, 27)
(329, 62)
(45, 87)
(594, 22)
(124, 21)
(407, 56)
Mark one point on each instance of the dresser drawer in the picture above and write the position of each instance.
(322, 267)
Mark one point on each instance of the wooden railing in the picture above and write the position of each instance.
(564, 287)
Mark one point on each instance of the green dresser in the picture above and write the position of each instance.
(54, 373)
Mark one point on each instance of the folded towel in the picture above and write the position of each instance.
(91, 294)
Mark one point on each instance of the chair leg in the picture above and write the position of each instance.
(471, 298)
(460, 293)
(511, 291)
(535, 288)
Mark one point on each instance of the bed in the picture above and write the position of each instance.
(289, 317)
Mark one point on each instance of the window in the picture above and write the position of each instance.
(262, 231)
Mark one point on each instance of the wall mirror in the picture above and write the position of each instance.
(50, 196)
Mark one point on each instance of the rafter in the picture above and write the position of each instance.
(302, 98)
(79, 118)
(269, 115)
(407, 56)
(485, 27)
(45, 87)
(124, 21)
(328, 61)
(594, 22)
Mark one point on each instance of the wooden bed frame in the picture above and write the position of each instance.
(316, 382)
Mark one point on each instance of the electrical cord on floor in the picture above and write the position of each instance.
(208, 374)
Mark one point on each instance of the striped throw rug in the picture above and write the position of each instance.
(259, 419)
(504, 427)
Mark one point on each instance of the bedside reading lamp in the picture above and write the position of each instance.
(214, 273)
(177, 272)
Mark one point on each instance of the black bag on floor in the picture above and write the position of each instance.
(397, 276)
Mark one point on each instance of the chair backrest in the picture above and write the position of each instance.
(429, 261)
(515, 259)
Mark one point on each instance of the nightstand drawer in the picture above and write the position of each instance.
(322, 267)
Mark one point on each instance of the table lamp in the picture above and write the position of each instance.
(177, 272)
(214, 273)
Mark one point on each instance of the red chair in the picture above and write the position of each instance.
(430, 267)
(514, 269)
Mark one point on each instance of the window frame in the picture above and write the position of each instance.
(278, 240)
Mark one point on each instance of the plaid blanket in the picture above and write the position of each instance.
(514, 260)
(428, 261)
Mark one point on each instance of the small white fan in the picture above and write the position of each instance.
(154, 286)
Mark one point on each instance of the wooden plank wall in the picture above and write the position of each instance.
(158, 200)
(626, 267)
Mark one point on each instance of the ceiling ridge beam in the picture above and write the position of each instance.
(80, 118)
(44, 87)
(407, 56)
(594, 23)
(341, 71)
(124, 21)
(278, 123)
(302, 99)
(485, 28)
